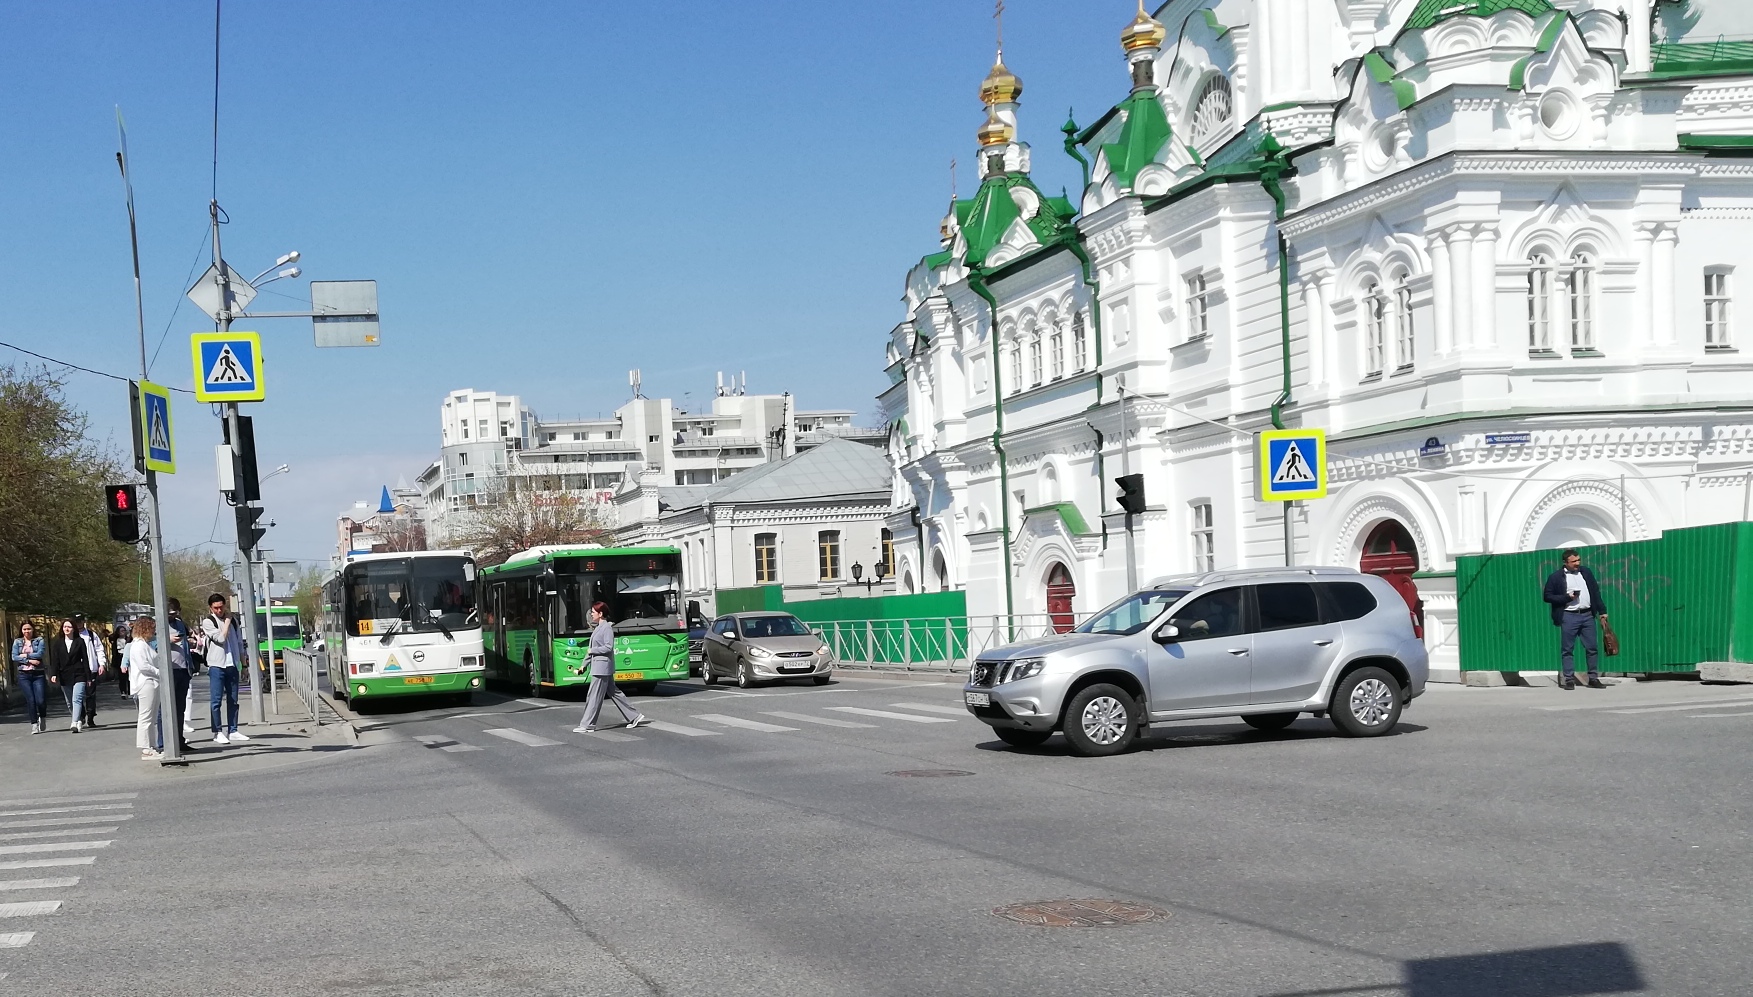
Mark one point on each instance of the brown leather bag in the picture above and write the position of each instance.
(1609, 639)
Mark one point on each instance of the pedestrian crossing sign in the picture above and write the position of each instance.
(228, 366)
(1293, 464)
(155, 428)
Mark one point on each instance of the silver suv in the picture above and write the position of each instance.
(1262, 644)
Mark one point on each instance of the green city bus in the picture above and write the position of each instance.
(535, 630)
(286, 632)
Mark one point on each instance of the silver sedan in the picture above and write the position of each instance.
(764, 647)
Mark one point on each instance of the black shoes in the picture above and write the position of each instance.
(1567, 684)
(1596, 684)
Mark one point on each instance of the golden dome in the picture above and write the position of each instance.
(1144, 32)
(996, 131)
(1001, 86)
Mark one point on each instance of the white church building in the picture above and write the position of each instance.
(1514, 237)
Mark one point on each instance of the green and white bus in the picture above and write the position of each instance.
(537, 633)
(284, 632)
(403, 624)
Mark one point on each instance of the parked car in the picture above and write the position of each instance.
(1265, 645)
(696, 644)
(764, 647)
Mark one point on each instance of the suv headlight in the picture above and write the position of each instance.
(1022, 668)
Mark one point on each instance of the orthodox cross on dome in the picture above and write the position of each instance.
(998, 16)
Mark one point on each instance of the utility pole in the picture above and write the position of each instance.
(246, 589)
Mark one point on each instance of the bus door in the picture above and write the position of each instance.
(496, 624)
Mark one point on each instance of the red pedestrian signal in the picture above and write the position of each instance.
(121, 499)
(123, 502)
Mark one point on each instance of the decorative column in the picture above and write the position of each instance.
(1461, 284)
(1484, 321)
(1441, 294)
(1643, 332)
(1637, 42)
(1317, 326)
(1667, 237)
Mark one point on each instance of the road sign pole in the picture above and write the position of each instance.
(1126, 468)
(1289, 536)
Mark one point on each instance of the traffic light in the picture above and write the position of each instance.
(123, 503)
(249, 484)
(1131, 497)
(248, 533)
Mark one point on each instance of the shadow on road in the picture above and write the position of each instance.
(1557, 971)
(1208, 736)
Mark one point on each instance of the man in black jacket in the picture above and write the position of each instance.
(1575, 599)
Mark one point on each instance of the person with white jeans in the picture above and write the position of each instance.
(141, 664)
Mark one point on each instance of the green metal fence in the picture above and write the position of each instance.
(1675, 601)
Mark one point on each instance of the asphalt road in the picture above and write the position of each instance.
(1519, 842)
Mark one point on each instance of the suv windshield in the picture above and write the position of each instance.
(410, 594)
(756, 627)
(1133, 613)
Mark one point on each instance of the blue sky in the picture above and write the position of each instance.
(548, 194)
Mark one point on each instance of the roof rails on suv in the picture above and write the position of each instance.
(1249, 574)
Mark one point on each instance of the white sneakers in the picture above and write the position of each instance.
(235, 736)
(220, 738)
(232, 738)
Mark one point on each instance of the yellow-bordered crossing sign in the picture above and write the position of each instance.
(155, 428)
(1293, 464)
(228, 366)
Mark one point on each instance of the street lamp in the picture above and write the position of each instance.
(858, 575)
(282, 469)
(291, 257)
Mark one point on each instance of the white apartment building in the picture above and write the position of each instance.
(492, 441)
(1515, 233)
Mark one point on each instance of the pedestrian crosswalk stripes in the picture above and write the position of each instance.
(47, 800)
(56, 883)
(1727, 704)
(611, 735)
(684, 731)
(66, 810)
(824, 721)
(47, 863)
(521, 737)
(16, 939)
(57, 846)
(29, 908)
(59, 821)
(730, 721)
(953, 711)
(19, 835)
(886, 715)
(1713, 716)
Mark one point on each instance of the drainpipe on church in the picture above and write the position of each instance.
(1075, 244)
(1273, 168)
(977, 281)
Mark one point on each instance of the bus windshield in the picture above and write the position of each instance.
(417, 594)
(285, 626)
(643, 594)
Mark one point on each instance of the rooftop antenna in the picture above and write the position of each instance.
(633, 382)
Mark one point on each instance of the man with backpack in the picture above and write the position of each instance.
(225, 653)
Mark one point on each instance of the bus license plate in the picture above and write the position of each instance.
(626, 676)
(978, 699)
(417, 680)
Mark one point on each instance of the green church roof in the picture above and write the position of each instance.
(1141, 138)
(985, 217)
(1429, 12)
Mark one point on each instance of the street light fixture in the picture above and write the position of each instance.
(291, 257)
(282, 469)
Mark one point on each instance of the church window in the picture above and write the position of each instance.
(1035, 361)
(1198, 307)
(1056, 351)
(1212, 109)
(1375, 330)
(1716, 309)
(1582, 303)
(1016, 367)
(1540, 273)
(766, 558)
(1204, 538)
(1404, 332)
(1079, 342)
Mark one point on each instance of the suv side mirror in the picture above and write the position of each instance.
(1168, 633)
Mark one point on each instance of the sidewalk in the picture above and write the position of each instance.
(105, 755)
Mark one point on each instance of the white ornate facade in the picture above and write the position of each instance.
(1517, 232)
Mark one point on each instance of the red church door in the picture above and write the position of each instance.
(1060, 591)
(1390, 553)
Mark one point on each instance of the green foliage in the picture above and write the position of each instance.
(190, 577)
(307, 595)
(55, 552)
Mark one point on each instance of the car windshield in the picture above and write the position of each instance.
(1133, 613)
(756, 627)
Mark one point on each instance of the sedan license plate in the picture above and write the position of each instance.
(417, 680)
(977, 698)
(626, 676)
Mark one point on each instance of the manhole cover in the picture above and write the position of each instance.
(1080, 913)
(928, 773)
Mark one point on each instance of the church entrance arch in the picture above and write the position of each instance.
(1061, 590)
(1389, 551)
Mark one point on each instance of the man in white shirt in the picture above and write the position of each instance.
(1575, 598)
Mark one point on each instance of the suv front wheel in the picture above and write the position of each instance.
(1366, 704)
(1101, 719)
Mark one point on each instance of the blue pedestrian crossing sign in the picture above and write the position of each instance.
(1293, 464)
(155, 428)
(228, 366)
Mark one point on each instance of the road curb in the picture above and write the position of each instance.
(957, 676)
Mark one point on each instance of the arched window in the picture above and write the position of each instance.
(1056, 350)
(1212, 109)
(1035, 360)
(1016, 367)
(1079, 342)
(1405, 337)
(1375, 329)
(1540, 274)
(1582, 302)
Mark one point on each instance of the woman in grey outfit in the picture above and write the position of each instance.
(602, 675)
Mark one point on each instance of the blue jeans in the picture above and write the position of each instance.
(74, 696)
(1578, 626)
(222, 682)
(36, 696)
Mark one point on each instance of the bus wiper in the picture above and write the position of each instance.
(394, 629)
(442, 629)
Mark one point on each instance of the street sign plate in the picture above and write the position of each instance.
(345, 312)
(205, 293)
(228, 366)
(1293, 464)
(155, 428)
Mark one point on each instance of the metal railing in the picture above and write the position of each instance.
(301, 678)
(1670, 56)
(934, 644)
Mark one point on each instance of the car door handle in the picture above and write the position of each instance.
(1238, 651)
(1322, 643)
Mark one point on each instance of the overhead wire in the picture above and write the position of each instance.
(73, 366)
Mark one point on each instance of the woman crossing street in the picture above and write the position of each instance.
(27, 660)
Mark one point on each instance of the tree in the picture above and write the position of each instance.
(55, 552)
(190, 577)
(398, 532)
(511, 519)
(307, 595)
